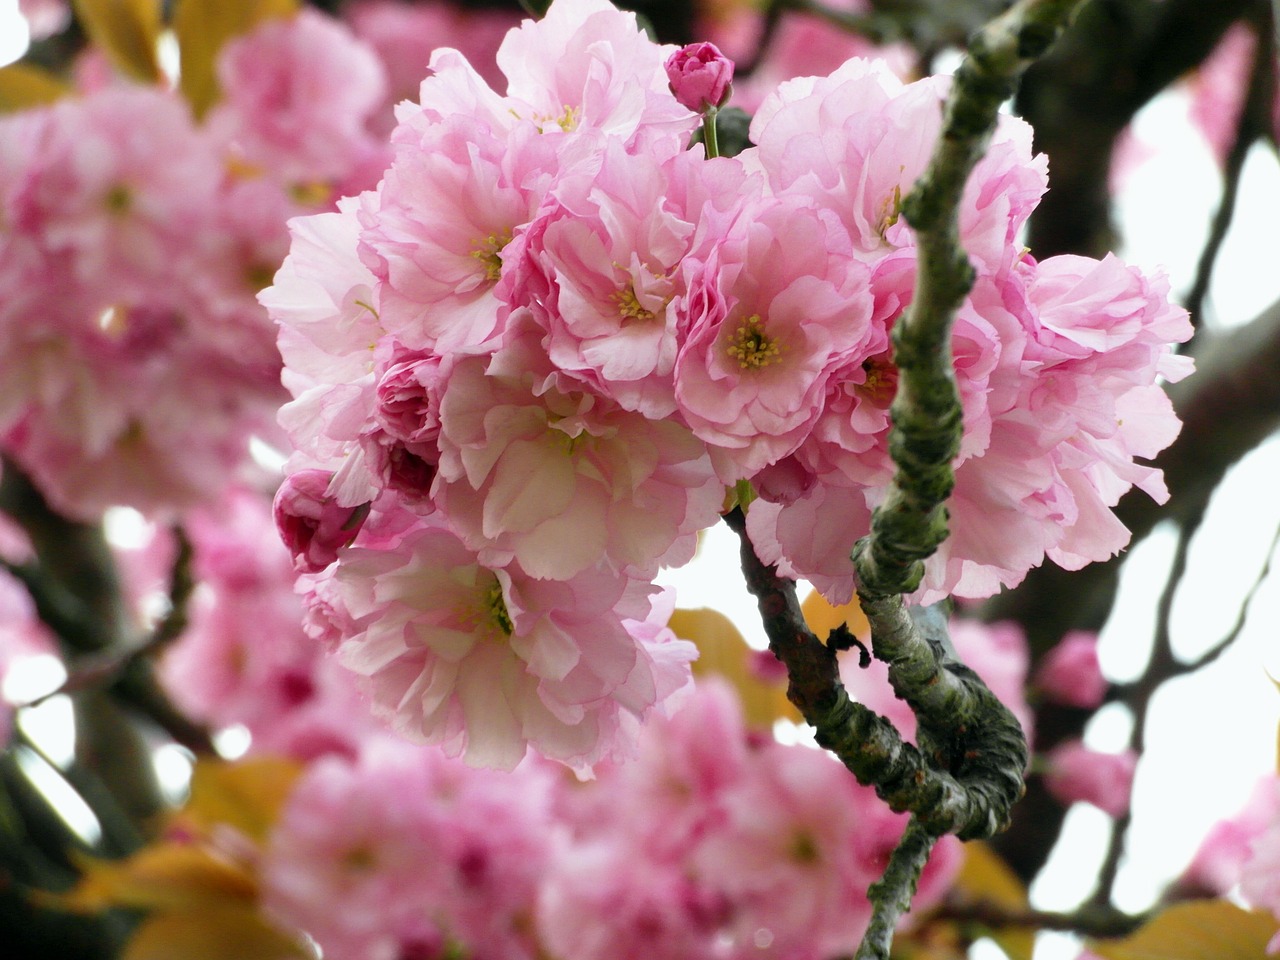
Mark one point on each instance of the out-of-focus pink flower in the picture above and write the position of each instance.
(401, 852)
(312, 524)
(701, 77)
(1070, 675)
(1219, 861)
(297, 95)
(45, 17)
(1260, 879)
(1076, 773)
(403, 35)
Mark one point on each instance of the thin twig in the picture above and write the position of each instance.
(891, 895)
(1253, 123)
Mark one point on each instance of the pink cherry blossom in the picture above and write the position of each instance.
(296, 96)
(1076, 773)
(537, 468)
(1069, 673)
(1219, 861)
(485, 661)
(400, 851)
(587, 66)
(770, 320)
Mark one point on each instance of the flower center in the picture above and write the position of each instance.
(119, 199)
(566, 121)
(496, 608)
(488, 251)
(804, 849)
(629, 306)
(881, 382)
(751, 346)
(890, 211)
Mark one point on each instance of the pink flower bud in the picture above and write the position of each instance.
(701, 77)
(1069, 673)
(312, 524)
(1103, 779)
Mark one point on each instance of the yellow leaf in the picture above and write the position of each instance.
(203, 27)
(23, 86)
(246, 794)
(724, 653)
(160, 876)
(1196, 930)
(224, 932)
(822, 617)
(127, 31)
(985, 878)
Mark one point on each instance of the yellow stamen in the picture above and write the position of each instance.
(752, 347)
(496, 607)
(629, 306)
(488, 251)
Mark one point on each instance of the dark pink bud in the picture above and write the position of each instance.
(701, 77)
(1070, 673)
(1076, 773)
(311, 523)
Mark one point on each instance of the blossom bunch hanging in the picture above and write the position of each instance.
(556, 342)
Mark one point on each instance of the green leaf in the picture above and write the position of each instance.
(23, 86)
(127, 31)
(203, 28)
(1196, 930)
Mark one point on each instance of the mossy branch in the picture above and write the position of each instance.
(964, 726)
(967, 772)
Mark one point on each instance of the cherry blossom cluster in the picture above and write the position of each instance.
(132, 243)
(555, 342)
(734, 846)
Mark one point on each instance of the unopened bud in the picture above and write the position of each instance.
(701, 77)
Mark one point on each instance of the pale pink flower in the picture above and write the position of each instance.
(1075, 773)
(774, 311)
(700, 76)
(855, 142)
(484, 661)
(297, 94)
(600, 270)
(536, 467)
(1070, 674)
(446, 210)
(611, 900)
(587, 66)
(1219, 861)
(400, 851)
(795, 849)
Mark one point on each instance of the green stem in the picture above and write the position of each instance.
(709, 136)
